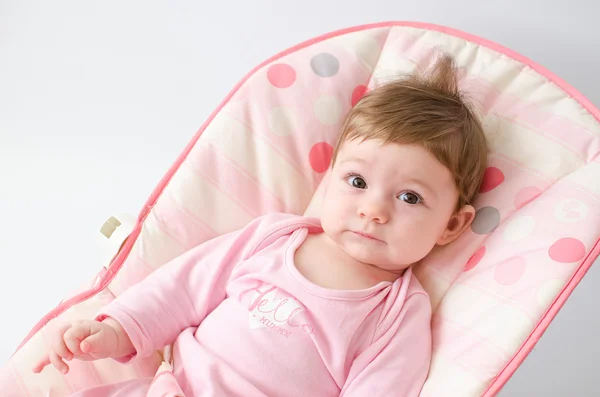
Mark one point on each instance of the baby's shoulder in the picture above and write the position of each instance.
(271, 226)
(279, 220)
(408, 296)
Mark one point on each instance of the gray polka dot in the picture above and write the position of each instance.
(325, 65)
(486, 220)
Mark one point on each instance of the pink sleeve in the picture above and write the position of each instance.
(184, 291)
(396, 364)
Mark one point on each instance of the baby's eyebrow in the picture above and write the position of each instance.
(354, 159)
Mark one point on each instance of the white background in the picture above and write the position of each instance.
(97, 99)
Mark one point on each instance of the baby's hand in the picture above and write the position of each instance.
(83, 340)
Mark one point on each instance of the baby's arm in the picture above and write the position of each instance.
(178, 295)
(396, 364)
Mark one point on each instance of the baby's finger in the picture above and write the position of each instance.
(58, 363)
(89, 345)
(60, 348)
(41, 364)
(73, 346)
(95, 346)
(73, 337)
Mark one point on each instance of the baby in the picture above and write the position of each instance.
(296, 306)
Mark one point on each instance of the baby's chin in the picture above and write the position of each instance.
(367, 256)
(374, 259)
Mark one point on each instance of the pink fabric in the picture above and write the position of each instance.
(165, 384)
(130, 388)
(243, 319)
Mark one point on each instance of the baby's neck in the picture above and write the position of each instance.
(323, 263)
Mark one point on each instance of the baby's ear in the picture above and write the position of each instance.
(458, 223)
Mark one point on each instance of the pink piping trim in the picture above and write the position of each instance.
(536, 334)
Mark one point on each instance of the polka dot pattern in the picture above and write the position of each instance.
(281, 75)
(320, 156)
(357, 94)
(519, 228)
(325, 65)
(475, 258)
(328, 109)
(491, 179)
(486, 220)
(567, 250)
(510, 271)
(282, 121)
(571, 210)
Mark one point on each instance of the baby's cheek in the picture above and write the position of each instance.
(414, 245)
(335, 211)
(330, 222)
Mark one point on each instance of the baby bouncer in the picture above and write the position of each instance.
(268, 146)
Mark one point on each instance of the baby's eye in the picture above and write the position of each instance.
(357, 182)
(410, 198)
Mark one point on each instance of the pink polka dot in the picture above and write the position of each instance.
(511, 271)
(358, 93)
(281, 75)
(474, 260)
(491, 179)
(320, 156)
(526, 195)
(567, 250)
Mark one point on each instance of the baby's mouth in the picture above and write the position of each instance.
(367, 236)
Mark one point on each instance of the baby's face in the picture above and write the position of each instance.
(387, 205)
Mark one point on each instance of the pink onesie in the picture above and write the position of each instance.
(246, 323)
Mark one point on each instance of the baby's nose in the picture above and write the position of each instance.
(374, 212)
